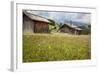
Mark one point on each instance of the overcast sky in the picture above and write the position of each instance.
(63, 17)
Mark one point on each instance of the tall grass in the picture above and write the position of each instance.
(49, 47)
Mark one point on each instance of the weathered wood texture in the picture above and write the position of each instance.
(28, 24)
(34, 26)
(66, 29)
(41, 27)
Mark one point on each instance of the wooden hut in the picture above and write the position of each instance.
(34, 23)
(70, 29)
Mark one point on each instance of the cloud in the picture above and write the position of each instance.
(83, 17)
(64, 16)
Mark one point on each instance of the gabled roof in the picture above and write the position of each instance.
(71, 26)
(36, 17)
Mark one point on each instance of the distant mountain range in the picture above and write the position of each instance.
(81, 25)
(78, 24)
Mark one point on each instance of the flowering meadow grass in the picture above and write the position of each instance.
(55, 47)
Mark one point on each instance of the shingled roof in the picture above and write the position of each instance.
(71, 26)
(36, 17)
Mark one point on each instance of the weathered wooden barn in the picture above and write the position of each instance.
(70, 29)
(34, 23)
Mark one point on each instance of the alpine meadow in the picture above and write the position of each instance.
(56, 36)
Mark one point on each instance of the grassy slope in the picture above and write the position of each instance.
(49, 47)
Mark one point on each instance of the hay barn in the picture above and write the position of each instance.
(34, 23)
(70, 29)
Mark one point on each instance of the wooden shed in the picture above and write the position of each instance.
(70, 29)
(35, 23)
